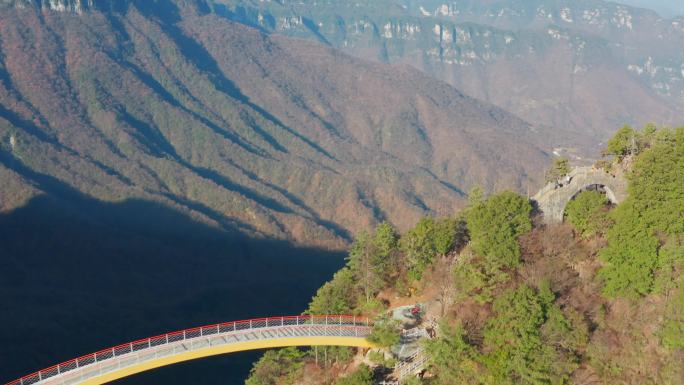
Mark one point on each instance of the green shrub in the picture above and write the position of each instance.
(473, 279)
(630, 257)
(362, 376)
(418, 247)
(672, 333)
(281, 366)
(670, 265)
(653, 210)
(374, 306)
(587, 213)
(449, 233)
(525, 340)
(452, 359)
(373, 259)
(376, 357)
(428, 239)
(559, 169)
(624, 142)
(495, 225)
(336, 296)
(385, 333)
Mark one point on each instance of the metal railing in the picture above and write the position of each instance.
(414, 332)
(412, 365)
(168, 344)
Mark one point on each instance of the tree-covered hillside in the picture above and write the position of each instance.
(574, 68)
(597, 300)
(169, 102)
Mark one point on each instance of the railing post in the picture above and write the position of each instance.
(282, 321)
(250, 324)
(166, 336)
(184, 335)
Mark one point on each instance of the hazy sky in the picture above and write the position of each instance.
(666, 8)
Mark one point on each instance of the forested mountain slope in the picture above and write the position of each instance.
(169, 102)
(578, 69)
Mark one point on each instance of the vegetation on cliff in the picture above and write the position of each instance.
(650, 218)
(598, 299)
(588, 213)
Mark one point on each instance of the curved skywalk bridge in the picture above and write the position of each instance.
(184, 345)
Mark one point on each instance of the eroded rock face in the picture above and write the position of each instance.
(77, 6)
(72, 6)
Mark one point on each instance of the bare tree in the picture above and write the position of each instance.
(444, 280)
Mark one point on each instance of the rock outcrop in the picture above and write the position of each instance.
(77, 6)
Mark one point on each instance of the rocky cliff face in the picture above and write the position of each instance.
(579, 68)
(77, 6)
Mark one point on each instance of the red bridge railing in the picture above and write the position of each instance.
(181, 335)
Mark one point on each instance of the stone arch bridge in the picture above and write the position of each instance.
(554, 197)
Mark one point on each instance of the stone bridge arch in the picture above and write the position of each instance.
(554, 197)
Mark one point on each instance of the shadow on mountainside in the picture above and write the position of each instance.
(80, 274)
(205, 62)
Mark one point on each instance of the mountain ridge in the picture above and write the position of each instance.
(233, 126)
(576, 69)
